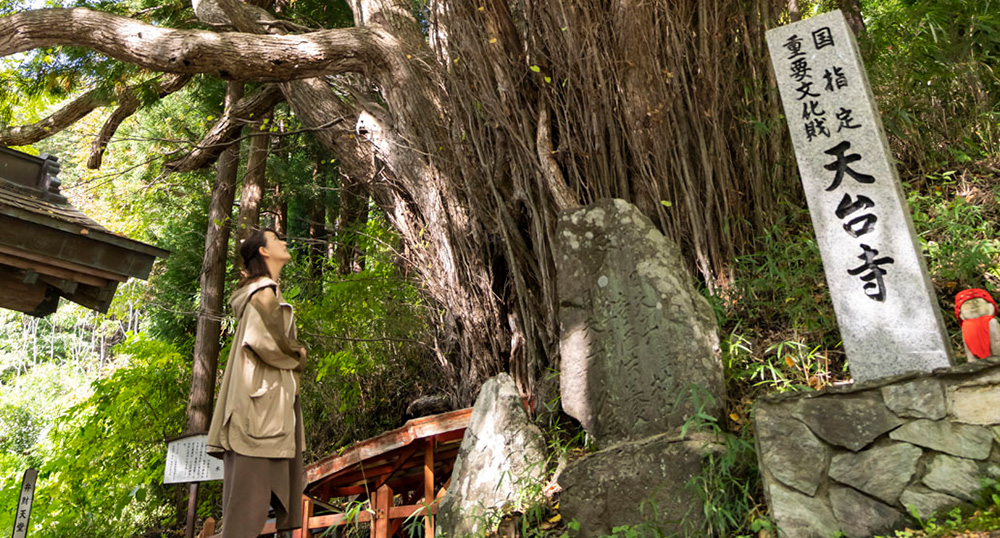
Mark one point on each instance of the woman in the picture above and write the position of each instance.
(257, 425)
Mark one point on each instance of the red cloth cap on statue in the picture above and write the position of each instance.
(971, 293)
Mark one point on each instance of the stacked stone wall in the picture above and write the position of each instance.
(859, 459)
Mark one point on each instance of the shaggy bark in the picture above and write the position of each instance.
(509, 112)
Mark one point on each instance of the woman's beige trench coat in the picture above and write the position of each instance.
(255, 414)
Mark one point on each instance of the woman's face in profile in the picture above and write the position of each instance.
(275, 248)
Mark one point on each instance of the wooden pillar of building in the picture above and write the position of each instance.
(381, 502)
(307, 512)
(429, 488)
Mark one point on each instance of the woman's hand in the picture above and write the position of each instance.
(302, 360)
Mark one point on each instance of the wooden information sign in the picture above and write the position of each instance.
(24, 502)
(187, 461)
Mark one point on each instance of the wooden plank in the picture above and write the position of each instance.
(332, 520)
(448, 437)
(307, 510)
(357, 478)
(403, 512)
(50, 270)
(66, 286)
(444, 489)
(375, 476)
(429, 486)
(417, 428)
(382, 502)
(395, 514)
(62, 264)
(403, 458)
(35, 299)
(394, 525)
(346, 491)
(73, 243)
(442, 423)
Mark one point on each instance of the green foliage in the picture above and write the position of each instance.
(958, 236)
(780, 329)
(729, 488)
(369, 345)
(932, 67)
(955, 215)
(782, 282)
(983, 515)
(104, 457)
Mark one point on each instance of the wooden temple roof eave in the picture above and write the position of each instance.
(50, 249)
(92, 231)
(53, 270)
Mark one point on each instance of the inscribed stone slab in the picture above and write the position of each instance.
(881, 292)
(636, 336)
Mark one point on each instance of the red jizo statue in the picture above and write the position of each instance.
(976, 311)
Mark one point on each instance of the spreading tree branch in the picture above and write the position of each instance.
(222, 133)
(128, 105)
(23, 135)
(235, 56)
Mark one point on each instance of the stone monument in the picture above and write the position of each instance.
(639, 348)
(889, 320)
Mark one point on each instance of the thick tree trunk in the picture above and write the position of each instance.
(793, 11)
(279, 211)
(254, 183)
(852, 12)
(213, 273)
(317, 227)
(351, 219)
(230, 55)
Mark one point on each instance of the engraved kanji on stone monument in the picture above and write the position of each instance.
(882, 295)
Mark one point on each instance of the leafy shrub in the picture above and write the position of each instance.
(369, 346)
(104, 457)
(932, 67)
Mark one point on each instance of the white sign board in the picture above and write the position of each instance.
(187, 461)
(24, 501)
(889, 320)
